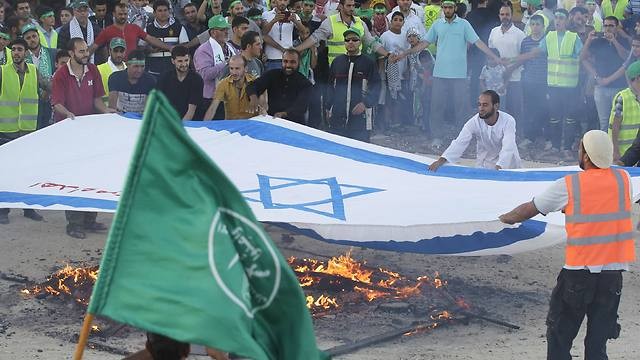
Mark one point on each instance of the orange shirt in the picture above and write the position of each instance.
(236, 101)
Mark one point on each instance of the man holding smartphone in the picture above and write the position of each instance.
(277, 31)
(602, 55)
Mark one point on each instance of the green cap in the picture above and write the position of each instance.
(534, 3)
(5, 36)
(309, 2)
(79, 3)
(218, 22)
(117, 42)
(27, 28)
(633, 71)
(352, 31)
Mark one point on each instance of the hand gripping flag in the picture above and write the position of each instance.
(187, 259)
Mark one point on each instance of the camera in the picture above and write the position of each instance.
(287, 14)
(598, 34)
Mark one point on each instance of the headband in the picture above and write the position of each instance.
(234, 3)
(47, 14)
(135, 62)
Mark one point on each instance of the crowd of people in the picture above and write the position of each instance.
(550, 71)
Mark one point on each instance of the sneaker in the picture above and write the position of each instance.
(95, 226)
(75, 232)
(4, 219)
(33, 215)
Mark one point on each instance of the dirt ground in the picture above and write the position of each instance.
(514, 289)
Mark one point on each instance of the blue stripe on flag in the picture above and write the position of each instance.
(455, 244)
(48, 200)
(278, 134)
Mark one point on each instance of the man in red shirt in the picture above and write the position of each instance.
(129, 32)
(76, 89)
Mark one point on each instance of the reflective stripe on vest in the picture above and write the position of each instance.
(335, 44)
(105, 71)
(607, 9)
(50, 44)
(562, 67)
(19, 110)
(630, 119)
(598, 218)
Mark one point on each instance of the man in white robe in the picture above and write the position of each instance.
(495, 133)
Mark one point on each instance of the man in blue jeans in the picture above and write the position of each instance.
(602, 55)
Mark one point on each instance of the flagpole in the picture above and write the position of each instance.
(84, 336)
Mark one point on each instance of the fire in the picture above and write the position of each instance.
(343, 273)
(323, 302)
(67, 281)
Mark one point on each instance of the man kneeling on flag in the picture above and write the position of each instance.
(495, 133)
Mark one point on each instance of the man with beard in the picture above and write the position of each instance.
(183, 86)
(79, 27)
(495, 133)
(412, 19)
(129, 32)
(289, 90)
(452, 35)
(232, 91)
(76, 89)
(44, 60)
(192, 25)
(278, 27)
(115, 62)
(596, 203)
(482, 19)
(168, 30)
(128, 89)
(19, 83)
(507, 38)
(332, 28)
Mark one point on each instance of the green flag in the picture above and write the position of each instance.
(187, 259)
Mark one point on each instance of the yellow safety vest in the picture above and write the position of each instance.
(43, 39)
(18, 105)
(7, 56)
(335, 44)
(630, 119)
(618, 12)
(562, 67)
(105, 71)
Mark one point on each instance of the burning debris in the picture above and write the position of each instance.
(70, 282)
(343, 276)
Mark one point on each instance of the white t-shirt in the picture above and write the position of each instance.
(496, 144)
(556, 198)
(396, 43)
(508, 44)
(412, 21)
(282, 33)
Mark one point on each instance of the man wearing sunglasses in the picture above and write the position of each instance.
(355, 87)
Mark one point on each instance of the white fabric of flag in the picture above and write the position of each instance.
(330, 188)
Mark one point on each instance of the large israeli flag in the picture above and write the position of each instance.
(330, 188)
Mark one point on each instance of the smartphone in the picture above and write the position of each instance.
(598, 34)
(287, 14)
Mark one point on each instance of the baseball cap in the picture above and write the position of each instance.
(352, 31)
(218, 22)
(117, 42)
(79, 3)
(633, 71)
(599, 148)
(27, 28)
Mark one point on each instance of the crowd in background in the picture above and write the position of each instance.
(358, 68)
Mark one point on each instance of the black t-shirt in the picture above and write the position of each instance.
(606, 59)
(181, 93)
